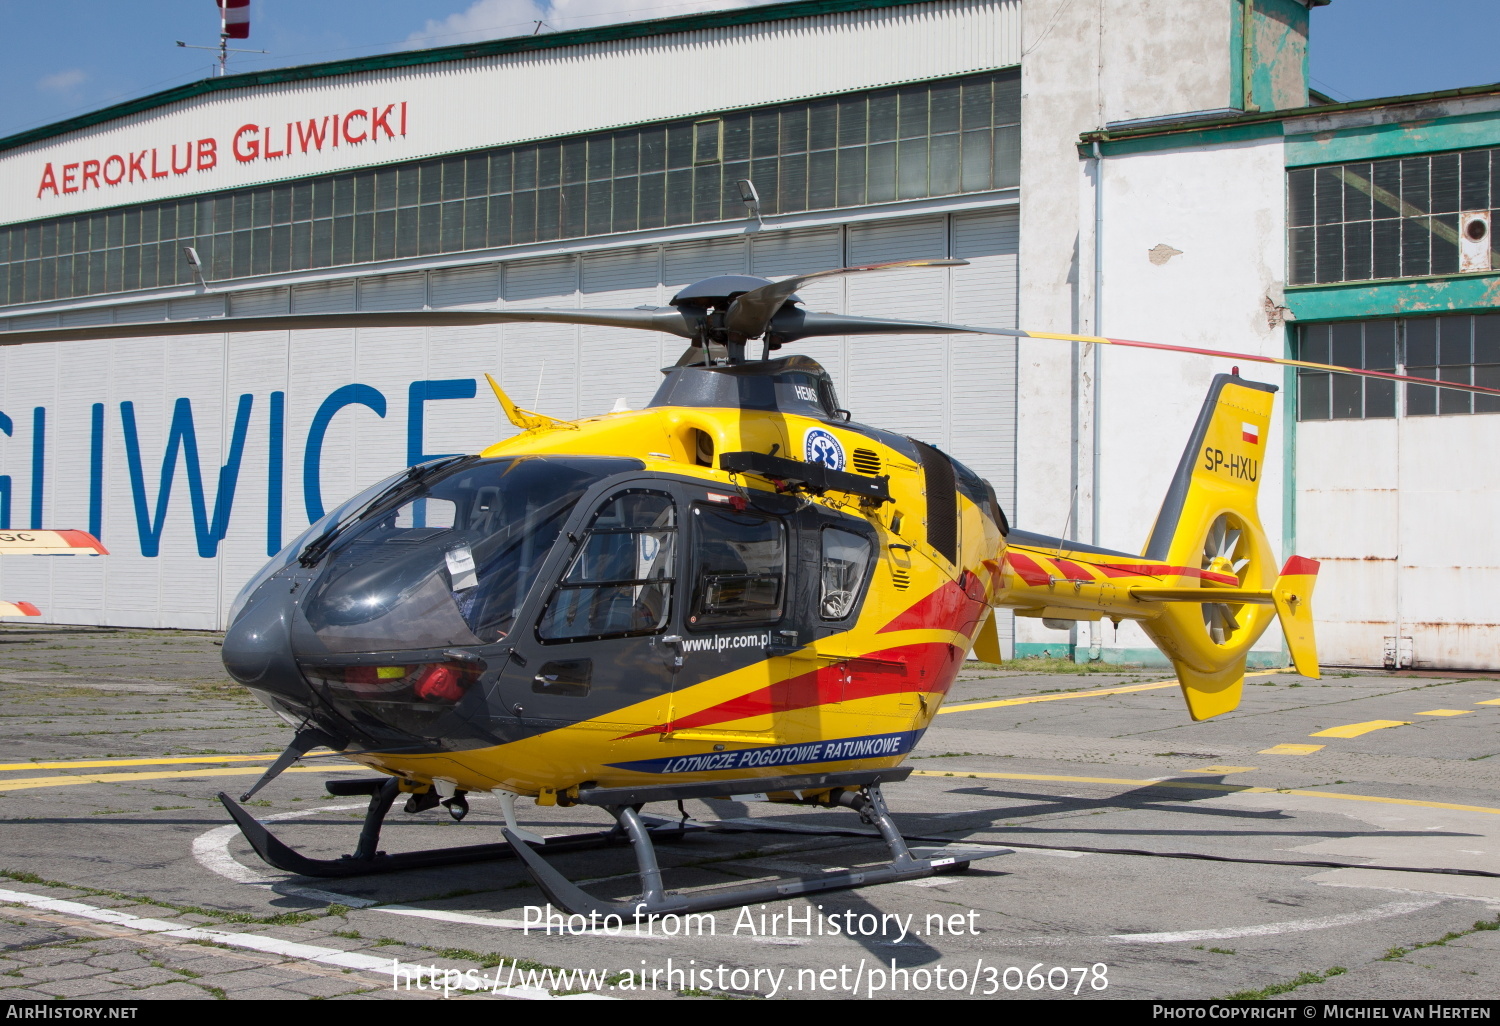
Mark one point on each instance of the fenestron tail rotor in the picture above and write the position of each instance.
(748, 308)
(1225, 551)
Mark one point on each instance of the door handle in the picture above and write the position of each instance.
(675, 641)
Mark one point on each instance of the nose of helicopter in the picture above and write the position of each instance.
(384, 626)
(258, 651)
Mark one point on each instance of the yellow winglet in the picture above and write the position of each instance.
(1293, 595)
(524, 419)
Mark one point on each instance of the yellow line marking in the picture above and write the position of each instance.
(1291, 750)
(972, 706)
(1446, 712)
(1356, 729)
(24, 783)
(1195, 786)
(1224, 769)
(1490, 701)
(104, 763)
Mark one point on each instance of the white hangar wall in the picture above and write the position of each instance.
(110, 406)
(1193, 255)
(1086, 66)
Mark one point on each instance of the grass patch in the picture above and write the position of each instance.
(282, 919)
(1479, 926)
(1302, 980)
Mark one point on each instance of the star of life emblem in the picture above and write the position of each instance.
(819, 446)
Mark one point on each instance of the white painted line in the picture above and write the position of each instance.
(451, 917)
(385, 967)
(1395, 908)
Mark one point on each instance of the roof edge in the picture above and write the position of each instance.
(1264, 117)
(462, 51)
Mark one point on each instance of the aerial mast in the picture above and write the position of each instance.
(234, 23)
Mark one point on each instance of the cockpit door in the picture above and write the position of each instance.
(604, 648)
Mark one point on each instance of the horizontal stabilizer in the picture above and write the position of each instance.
(18, 609)
(1204, 594)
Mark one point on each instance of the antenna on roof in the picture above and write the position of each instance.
(234, 23)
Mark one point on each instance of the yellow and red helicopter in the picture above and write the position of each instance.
(738, 590)
(44, 543)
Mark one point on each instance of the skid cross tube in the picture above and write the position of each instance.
(368, 859)
(905, 864)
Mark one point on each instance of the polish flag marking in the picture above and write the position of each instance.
(1250, 433)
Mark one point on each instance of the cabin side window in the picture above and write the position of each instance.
(739, 568)
(844, 566)
(620, 581)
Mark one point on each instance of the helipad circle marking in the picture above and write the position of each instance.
(1387, 911)
(211, 850)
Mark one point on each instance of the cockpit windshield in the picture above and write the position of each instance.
(448, 560)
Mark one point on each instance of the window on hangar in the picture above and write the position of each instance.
(1398, 218)
(1463, 348)
(937, 138)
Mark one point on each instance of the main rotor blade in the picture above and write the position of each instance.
(792, 324)
(750, 315)
(666, 319)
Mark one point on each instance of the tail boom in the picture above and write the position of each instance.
(1205, 589)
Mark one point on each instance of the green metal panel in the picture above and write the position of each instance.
(1289, 403)
(1275, 62)
(1216, 135)
(1372, 142)
(1188, 133)
(1361, 300)
(1237, 53)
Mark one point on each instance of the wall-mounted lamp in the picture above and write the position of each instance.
(751, 199)
(196, 263)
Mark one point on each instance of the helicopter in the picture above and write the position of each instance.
(737, 591)
(43, 542)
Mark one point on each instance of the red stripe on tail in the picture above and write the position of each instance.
(1300, 565)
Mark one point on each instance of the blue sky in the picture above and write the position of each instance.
(70, 56)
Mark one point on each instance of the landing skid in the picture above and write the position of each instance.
(625, 803)
(368, 859)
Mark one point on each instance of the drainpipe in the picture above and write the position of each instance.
(1096, 627)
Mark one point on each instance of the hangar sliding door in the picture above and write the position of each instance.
(1395, 493)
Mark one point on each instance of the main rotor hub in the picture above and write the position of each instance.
(718, 292)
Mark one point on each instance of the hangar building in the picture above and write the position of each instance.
(604, 167)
